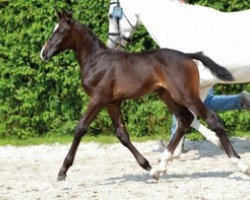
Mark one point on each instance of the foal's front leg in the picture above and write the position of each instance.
(116, 116)
(80, 131)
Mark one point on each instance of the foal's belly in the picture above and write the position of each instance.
(131, 91)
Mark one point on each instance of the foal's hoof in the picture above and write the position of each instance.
(156, 173)
(61, 177)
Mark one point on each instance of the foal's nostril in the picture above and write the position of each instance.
(43, 55)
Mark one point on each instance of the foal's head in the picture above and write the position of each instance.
(61, 38)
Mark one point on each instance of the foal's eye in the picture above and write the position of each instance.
(61, 32)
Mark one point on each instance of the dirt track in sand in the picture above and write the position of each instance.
(111, 172)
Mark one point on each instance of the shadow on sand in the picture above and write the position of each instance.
(207, 149)
(170, 177)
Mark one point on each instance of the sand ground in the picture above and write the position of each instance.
(108, 172)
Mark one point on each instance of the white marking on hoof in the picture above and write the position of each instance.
(177, 152)
(161, 168)
(243, 167)
(154, 174)
(166, 156)
(157, 173)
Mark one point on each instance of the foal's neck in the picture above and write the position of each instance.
(86, 43)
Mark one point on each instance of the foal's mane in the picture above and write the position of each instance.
(90, 33)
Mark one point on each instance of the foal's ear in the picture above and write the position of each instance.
(67, 15)
(58, 14)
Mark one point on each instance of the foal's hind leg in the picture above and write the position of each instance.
(184, 118)
(208, 134)
(213, 121)
(116, 116)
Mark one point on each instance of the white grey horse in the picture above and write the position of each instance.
(225, 37)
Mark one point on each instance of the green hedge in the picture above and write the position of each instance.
(39, 98)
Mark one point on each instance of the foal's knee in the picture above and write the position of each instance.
(215, 123)
(185, 119)
(189, 117)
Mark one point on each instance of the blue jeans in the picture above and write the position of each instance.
(216, 103)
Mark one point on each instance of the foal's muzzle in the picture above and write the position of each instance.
(45, 55)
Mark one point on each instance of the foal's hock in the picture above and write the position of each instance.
(110, 76)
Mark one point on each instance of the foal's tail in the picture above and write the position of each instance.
(219, 71)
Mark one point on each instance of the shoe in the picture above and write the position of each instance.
(183, 149)
(245, 100)
(163, 145)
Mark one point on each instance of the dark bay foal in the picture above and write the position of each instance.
(110, 76)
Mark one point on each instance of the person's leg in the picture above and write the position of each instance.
(224, 102)
(174, 127)
(227, 102)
